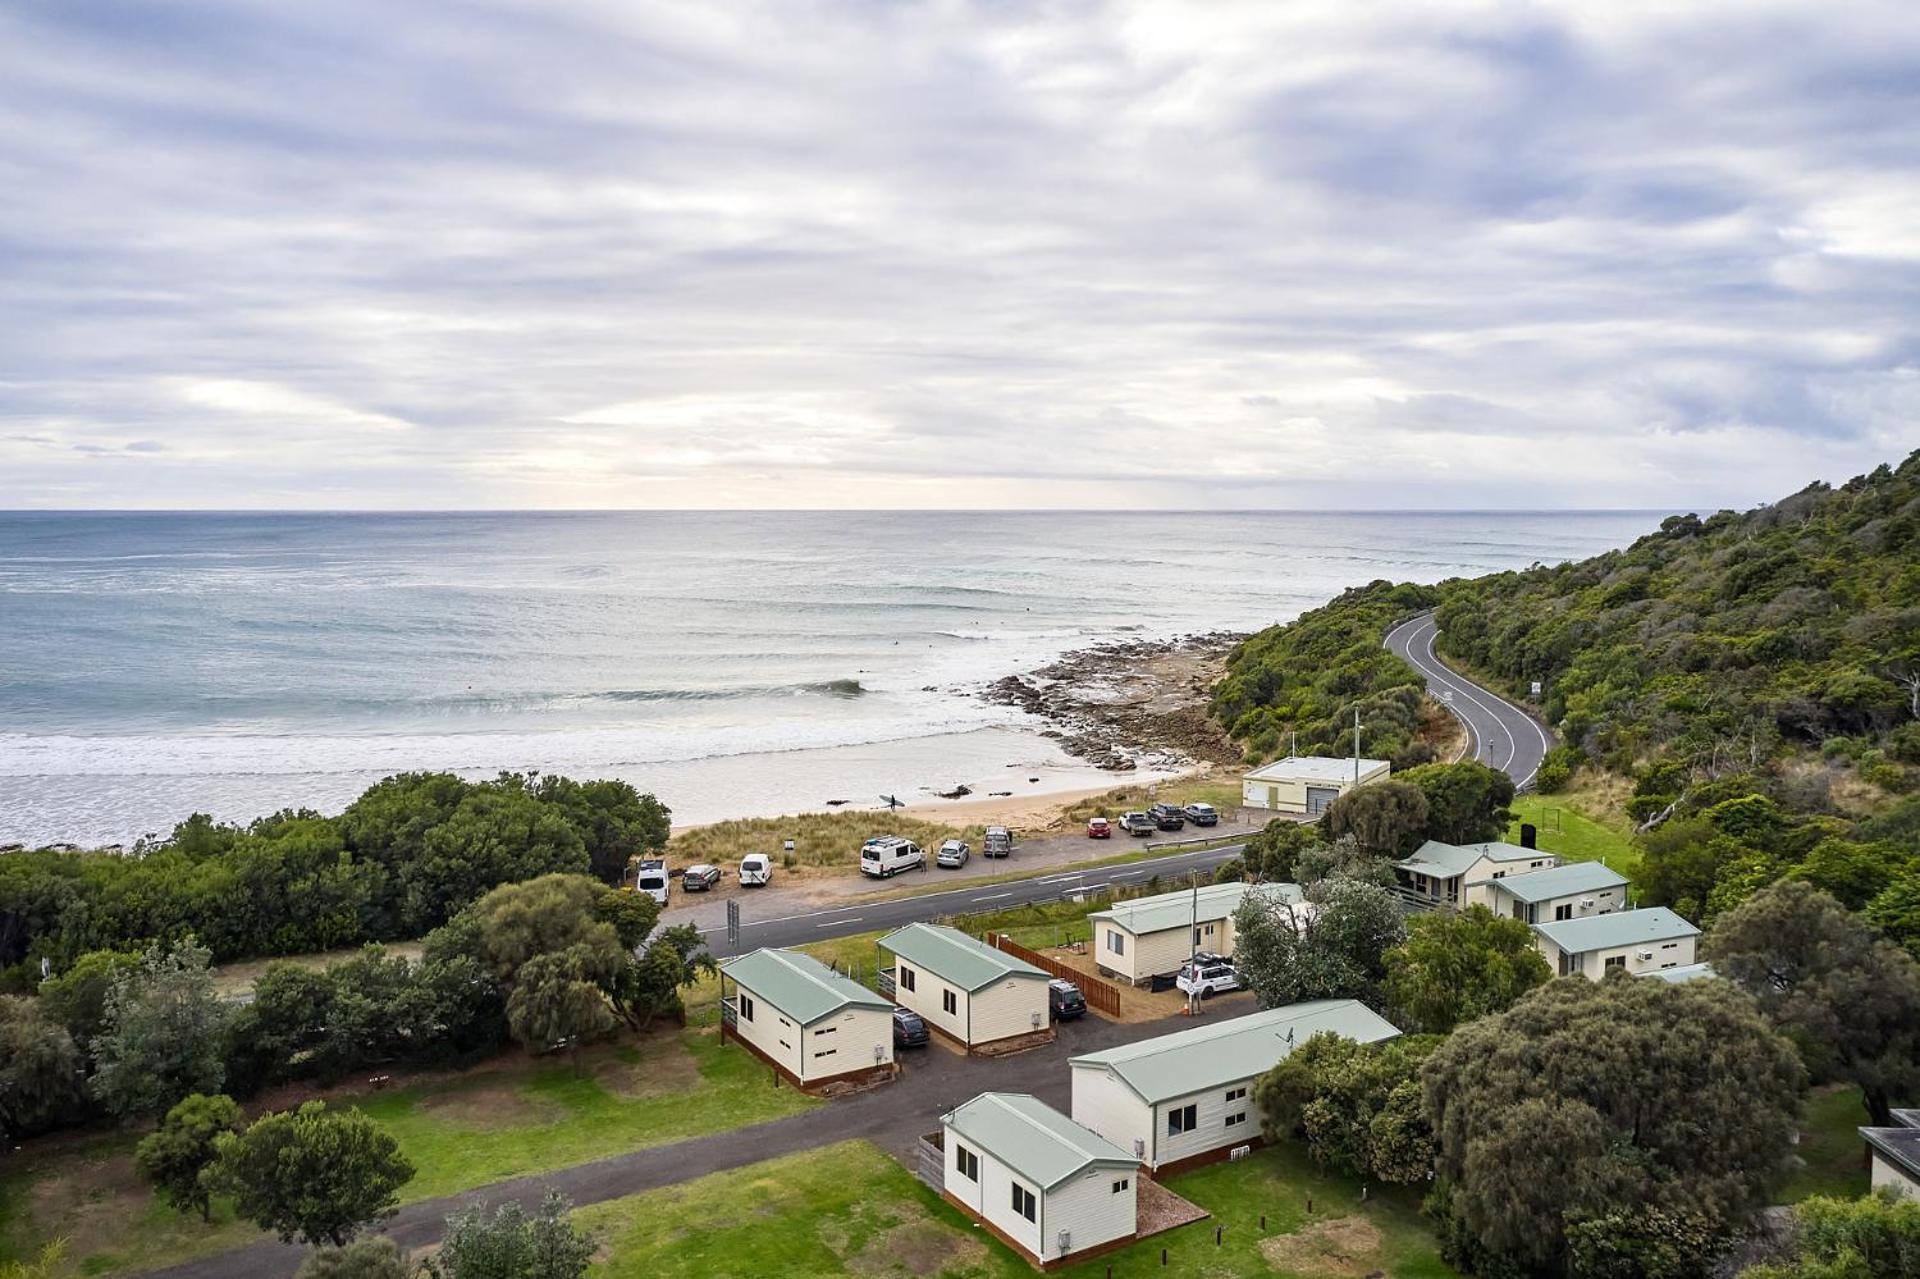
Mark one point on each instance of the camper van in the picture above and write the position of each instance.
(998, 842)
(755, 868)
(885, 855)
(650, 877)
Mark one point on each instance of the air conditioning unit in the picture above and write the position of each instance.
(1238, 1153)
(1139, 1148)
(1646, 955)
(1066, 1242)
(1586, 903)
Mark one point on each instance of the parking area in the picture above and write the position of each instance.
(1138, 1003)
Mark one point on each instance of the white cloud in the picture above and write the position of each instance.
(1157, 253)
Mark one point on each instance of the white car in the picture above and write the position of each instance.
(650, 877)
(756, 869)
(1207, 977)
(887, 855)
(953, 854)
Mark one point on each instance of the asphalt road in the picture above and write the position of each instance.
(860, 917)
(1499, 733)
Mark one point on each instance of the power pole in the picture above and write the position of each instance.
(1356, 746)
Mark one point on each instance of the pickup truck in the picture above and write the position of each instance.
(1138, 824)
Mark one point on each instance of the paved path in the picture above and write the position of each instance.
(894, 1117)
(1499, 733)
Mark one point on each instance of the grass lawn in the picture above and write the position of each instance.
(1220, 791)
(1836, 1159)
(849, 1209)
(509, 1117)
(1565, 830)
(819, 839)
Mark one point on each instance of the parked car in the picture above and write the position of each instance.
(650, 877)
(886, 855)
(701, 878)
(1202, 814)
(998, 842)
(1207, 977)
(908, 1030)
(756, 869)
(1137, 824)
(1168, 816)
(953, 854)
(1099, 828)
(1064, 1000)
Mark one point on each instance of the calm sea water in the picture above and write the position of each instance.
(152, 665)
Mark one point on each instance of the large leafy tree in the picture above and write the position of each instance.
(515, 922)
(175, 1158)
(1455, 967)
(615, 821)
(1328, 947)
(164, 1035)
(39, 1069)
(314, 1175)
(651, 987)
(1875, 1237)
(560, 998)
(1358, 1106)
(495, 836)
(77, 998)
(1467, 802)
(1850, 999)
(1387, 819)
(1586, 1096)
(1273, 855)
(512, 1243)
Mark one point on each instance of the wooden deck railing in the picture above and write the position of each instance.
(1100, 995)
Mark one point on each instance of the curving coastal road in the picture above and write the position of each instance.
(1499, 733)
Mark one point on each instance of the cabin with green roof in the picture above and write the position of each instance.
(1042, 1184)
(1142, 938)
(1187, 1098)
(962, 988)
(809, 1023)
(1650, 940)
(1439, 874)
(1573, 891)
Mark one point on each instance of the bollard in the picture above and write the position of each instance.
(1263, 1221)
(1309, 1205)
(1217, 1231)
(1163, 1256)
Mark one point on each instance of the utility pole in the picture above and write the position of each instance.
(1356, 746)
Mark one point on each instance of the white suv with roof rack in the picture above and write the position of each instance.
(886, 855)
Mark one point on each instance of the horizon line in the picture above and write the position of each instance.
(846, 510)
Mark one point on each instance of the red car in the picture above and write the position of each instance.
(1099, 828)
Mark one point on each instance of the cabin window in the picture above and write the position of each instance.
(1182, 1119)
(1563, 912)
(950, 1002)
(825, 1030)
(1239, 1117)
(906, 977)
(1116, 941)
(1235, 1094)
(825, 1052)
(1120, 1186)
(966, 1163)
(746, 1007)
(1024, 1203)
(1615, 961)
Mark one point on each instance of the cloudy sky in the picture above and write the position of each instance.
(617, 253)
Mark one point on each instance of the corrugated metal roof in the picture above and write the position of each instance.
(960, 960)
(1184, 906)
(1444, 861)
(1686, 972)
(1032, 1138)
(1559, 881)
(1898, 1146)
(1622, 928)
(1190, 1061)
(799, 985)
(1313, 768)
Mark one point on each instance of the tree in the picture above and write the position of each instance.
(1467, 802)
(513, 1244)
(1387, 819)
(163, 1036)
(376, 1257)
(651, 988)
(313, 1174)
(495, 836)
(1853, 873)
(515, 922)
(39, 1070)
(1453, 968)
(174, 1158)
(1273, 853)
(558, 999)
(1874, 1237)
(1849, 999)
(614, 821)
(77, 998)
(1325, 948)
(1896, 911)
(1586, 1096)
(1359, 1106)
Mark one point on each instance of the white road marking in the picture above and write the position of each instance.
(993, 897)
(1469, 691)
(834, 923)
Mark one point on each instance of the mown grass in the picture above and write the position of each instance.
(1835, 1159)
(1576, 837)
(849, 1209)
(820, 839)
(1221, 792)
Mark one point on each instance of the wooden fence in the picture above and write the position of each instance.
(1100, 995)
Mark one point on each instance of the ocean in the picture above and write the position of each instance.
(157, 664)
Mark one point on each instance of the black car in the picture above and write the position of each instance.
(1065, 1000)
(908, 1030)
(1202, 814)
(1167, 816)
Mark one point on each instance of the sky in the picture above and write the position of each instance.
(620, 253)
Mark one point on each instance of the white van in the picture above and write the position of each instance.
(650, 877)
(885, 855)
(756, 868)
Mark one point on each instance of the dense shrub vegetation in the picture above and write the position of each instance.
(402, 859)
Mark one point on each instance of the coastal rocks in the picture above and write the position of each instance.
(1127, 702)
(958, 792)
